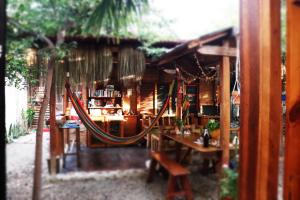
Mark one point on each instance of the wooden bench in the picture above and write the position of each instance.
(178, 183)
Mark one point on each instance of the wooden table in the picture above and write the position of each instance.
(189, 142)
(62, 130)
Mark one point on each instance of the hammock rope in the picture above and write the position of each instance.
(104, 136)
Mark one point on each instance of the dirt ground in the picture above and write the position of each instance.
(99, 185)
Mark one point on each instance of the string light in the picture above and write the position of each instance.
(206, 77)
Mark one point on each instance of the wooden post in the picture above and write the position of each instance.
(84, 90)
(225, 108)
(292, 154)
(179, 96)
(260, 99)
(54, 133)
(155, 98)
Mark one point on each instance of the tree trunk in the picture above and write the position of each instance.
(37, 182)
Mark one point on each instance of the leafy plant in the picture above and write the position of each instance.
(179, 122)
(212, 125)
(14, 131)
(29, 116)
(228, 184)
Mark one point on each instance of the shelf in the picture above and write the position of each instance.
(103, 97)
(104, 107)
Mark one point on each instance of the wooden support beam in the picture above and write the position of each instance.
(260, 99)
(179, 96)
(191, 46)
(225, 108)
(217, 51)
(292, 154)
(54, 134)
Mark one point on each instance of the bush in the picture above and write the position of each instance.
(229, 186)
(15, 131)
(29, 116)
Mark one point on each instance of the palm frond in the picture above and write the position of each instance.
(112, 14)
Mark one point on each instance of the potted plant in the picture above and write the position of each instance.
(228, 185)
(179, 125)
(213, 127)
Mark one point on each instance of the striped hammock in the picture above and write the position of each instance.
(102, 135)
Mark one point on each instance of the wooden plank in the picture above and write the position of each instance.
(260, 99)
(189, 141)
(225, 107)
(292, 154)
(192, 45)
(217, 51)
(172, 166)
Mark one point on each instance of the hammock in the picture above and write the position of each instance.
(105, 137)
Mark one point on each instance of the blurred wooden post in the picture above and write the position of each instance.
(54, 134)
(225, 107)
(260, 99)
(179, 96)
(292, 154)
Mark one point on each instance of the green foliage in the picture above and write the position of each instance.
(179, 122)
(15, 131)
(18, 72)
(35, 20)
(212, 125)
(29, 116)
(229, 184)
(113, 14)
(153, 52)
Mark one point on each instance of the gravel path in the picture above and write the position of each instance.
(101, 185)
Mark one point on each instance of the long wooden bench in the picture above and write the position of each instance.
(178, 183)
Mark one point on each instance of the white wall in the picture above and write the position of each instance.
(15, 101)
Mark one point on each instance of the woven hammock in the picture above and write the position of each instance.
(102, 135)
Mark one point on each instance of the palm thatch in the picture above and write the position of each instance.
(131, 66)
(90, 65)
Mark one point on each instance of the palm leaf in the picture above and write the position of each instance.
(112, 14)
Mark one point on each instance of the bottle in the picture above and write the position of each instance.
(206, 138)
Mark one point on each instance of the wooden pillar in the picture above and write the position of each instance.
(179, 96)
(260, 99)
(292, 154)
(225, 108)
(133, 99)
(85, 95)
(54, 133)
(155, 98)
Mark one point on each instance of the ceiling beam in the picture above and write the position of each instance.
(217, 51)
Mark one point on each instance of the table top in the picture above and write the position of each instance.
(70, 124)
(189, 141)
